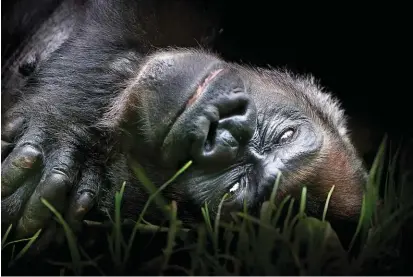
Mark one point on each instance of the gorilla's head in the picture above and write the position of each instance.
(241, 127)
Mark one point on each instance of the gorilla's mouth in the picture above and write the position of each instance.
(202, 86)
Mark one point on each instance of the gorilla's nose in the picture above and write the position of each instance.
(217, 118)
(225, 116)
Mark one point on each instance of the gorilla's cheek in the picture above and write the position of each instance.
(343, 170)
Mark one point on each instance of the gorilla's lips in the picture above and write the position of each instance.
(201, 87)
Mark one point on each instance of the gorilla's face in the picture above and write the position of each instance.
(241, 127)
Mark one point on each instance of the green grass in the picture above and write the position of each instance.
(276, 242)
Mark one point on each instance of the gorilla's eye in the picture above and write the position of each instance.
(286, 136)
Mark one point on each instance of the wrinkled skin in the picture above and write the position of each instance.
(101, 101)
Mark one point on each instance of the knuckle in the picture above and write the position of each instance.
(55, 185)
(31, 150)
(86, 193)
(58, 180)
(84, 201)
(59, 174)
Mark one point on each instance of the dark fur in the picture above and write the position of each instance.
(101, 100)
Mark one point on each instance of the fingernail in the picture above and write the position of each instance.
(84, 204)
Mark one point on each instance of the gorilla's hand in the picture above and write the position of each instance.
(41, 161)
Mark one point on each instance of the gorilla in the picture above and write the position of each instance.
(108, 97)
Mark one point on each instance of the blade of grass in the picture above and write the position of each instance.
(327, 202)
(6, 235)
(268, 207)
(289, 213)
(12, 252)
(386, 233)
(173, 228)
(230, 227)
(118, 230)
(17, 241)
(216, 267)
(275, 187)
(256, 221)
(303, 200)
(370, 197)
(237, 263)
(25, 248)
(201, 240)
(152, 189)
(279, 209)
(147, 183)
(359, 225)
(150, 199)
(93, 262)
(207, 219)
(378, 164)
(217, 220)
(70, 236)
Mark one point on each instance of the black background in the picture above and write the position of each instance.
(359, 52)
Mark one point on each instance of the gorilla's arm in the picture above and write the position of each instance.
(62, 103)
(53, 140)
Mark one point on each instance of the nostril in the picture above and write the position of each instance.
(240, 109)
(219, 147)
(210, 140)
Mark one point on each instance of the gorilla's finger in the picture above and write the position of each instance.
(84, 197)
(54, 187)
(12, 128)
(79, 208)
(12, 205)
(18, 166)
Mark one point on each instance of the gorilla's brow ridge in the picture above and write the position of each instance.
(310, 96)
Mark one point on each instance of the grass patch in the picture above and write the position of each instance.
(278, 241)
